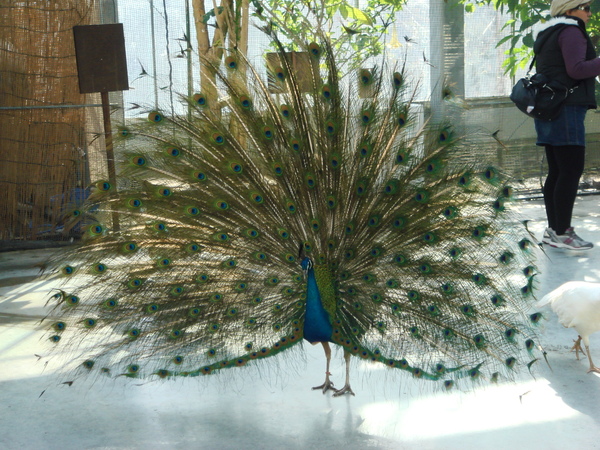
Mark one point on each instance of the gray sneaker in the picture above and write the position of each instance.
(549, 236)
(570, 241)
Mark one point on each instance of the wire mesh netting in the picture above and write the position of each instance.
(51, 147)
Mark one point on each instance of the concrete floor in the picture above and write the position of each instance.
(274, 408)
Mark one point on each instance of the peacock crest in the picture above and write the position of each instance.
(310, 205)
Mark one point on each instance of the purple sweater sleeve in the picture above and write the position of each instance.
(573, 46)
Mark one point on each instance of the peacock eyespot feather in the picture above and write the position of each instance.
(72, 300)
(361, 187)
(529, 271)
(490, 174)
(135, 283)
(214, 327)
(433, 310)
(365, 149)
(448, 384)
(430, 238)
(260, 256)
(413, 296)
(202, 278)
(218, 138)
(89, 364)
(245, 102)
(123, 132)
(221, 237)
(465, 180)
(192, 248)
(507, 192)
(401, 157)
(414, 331)
(192, 211)
(399, 222)
(231, 63)
(54, 338)
(455, 253)
(376, 252)
(296, 145)
(425, 269)
(285, 111)
(232, 312)
(480, 341)
(448, 333)
(257, 300)
(99, 268)
(365, 77)
(357, 306)
(330, 127)
(498, 205)
(506, 257)
(59, 326)
(289, 258)
(392, 283)
(215, 298)
(240, 287)
(176, 291)
(397, 80)
(474, 373)
(133, 368)
(310, 180)
(391, 187)
(422, 196)
(268, 132)
(173, 151)
(369, 278)
(251, 233)
(401, 119)
(194, 312)
(110, 304)
(200, 99)
(447, 288)
(134, 203)
(206, 370)
(351, 291)
(326, 92)
(529, 344)
(450, 212)
(155, 117)
(525, 244)
(152, 308)
(395, 308)
(479, 279)
(335, 161)
(497, 300)
(366, 116)
(314, 49)
(276, 327)
(90, 323)
(272, 281)
(376, 298)
(103, 186)
(163, 262)
(129, 247)
(134, 333)
(161, 227)
(164, 192)
(467, 310)
(510, 362)
(250, 322)
(229, 264)
(349, 228)
(283, 234)
(163, 373)
(434, 166)
(68, 270)
(400, 259)
(444, 136)
(510, 333)
(96, 230)
(331, 201)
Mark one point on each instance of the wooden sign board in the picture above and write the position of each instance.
(101, 61)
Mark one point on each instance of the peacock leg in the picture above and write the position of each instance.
(577, 347)
(327, 385)
(346, 389)
(593, 368)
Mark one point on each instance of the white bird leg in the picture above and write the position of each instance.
(593, 368)
(577, 347)
(327, 385)
(346, 389)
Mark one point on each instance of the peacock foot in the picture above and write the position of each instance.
(592, 369)
(326, 386)
(345, 390)
(577, 348)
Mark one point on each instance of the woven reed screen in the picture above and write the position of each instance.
(42, 142)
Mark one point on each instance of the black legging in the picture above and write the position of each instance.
(565, 166)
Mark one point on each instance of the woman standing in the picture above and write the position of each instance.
(565, 53)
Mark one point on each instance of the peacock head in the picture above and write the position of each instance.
(306, 264)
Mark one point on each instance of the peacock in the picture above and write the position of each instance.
(308, 202)
(577, 305)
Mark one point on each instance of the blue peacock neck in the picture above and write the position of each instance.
(317, 322)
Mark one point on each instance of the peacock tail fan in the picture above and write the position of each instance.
(418, 262)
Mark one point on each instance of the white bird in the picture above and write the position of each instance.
(577, 305)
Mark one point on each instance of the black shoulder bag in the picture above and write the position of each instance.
(539, 97)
